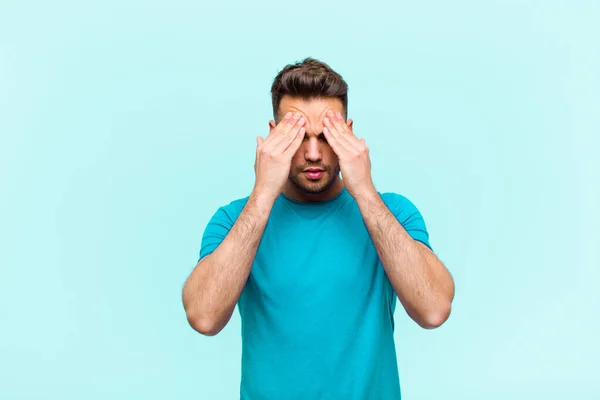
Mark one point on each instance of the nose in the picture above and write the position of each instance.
(312, 150)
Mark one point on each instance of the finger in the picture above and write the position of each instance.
(287, 117)
(334, 143)
(291, 125)
(340, 138)
(285, 128)
(277, 131)
(343, 127)
(338, 121)
(347, 137)
(335, 117)
(295, 145)
(290, 136)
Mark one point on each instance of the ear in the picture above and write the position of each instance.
(350, 124)
(272, 125)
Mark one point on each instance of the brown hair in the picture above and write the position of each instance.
(306, 79)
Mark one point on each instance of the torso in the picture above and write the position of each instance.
(317, 309)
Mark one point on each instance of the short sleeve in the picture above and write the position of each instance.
(219, 226)
(216, 230)
(408, 215)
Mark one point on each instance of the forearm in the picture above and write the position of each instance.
(214, 287)
(423, 284)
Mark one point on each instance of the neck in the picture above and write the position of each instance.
(290, 190)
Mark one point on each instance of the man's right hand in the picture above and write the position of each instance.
(274, 155)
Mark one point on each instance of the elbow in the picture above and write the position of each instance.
(439, 313)
(203, 325)
(436, 318)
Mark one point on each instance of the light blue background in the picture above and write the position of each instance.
(126, 124)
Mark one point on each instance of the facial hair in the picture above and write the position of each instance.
(314, 187)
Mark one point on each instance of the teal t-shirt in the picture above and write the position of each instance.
(317, 309)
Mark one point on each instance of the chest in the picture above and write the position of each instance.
(304, 260)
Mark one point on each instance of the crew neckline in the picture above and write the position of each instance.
(342, 192)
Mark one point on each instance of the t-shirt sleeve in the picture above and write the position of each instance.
(217, 228)
(409, 216)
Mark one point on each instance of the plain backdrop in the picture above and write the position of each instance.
(125, 125)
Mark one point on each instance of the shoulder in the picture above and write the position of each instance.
(232, 209)
(219, 225)
(408, 215)
(398, 203)
(236, 206)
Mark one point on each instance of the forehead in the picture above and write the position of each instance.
(313, 109)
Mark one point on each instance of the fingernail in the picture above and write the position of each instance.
(326, 120)
(297, 115)
(288, 115)
(339, 114)
(301, 120)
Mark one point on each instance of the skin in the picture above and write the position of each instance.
(213, 288)
(312, 133)
(314, 151)
(421, 281)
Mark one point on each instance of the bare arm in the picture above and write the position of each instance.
(423, 284)
(214, 287)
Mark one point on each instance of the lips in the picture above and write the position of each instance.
(313, 173)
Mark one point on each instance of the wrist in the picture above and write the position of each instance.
(367, 197)
(366, 193)
(262, 199)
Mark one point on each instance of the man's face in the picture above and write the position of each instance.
(315, 166)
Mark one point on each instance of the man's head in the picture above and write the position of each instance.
(311, 87)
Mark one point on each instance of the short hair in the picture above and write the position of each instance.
(309, 78)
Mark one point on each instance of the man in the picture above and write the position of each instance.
(314, 260)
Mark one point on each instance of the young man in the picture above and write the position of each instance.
(314, 260)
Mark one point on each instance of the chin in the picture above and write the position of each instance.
(313, 187)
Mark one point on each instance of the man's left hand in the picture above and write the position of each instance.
(353, 155)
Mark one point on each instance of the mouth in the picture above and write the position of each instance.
(314, 173)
